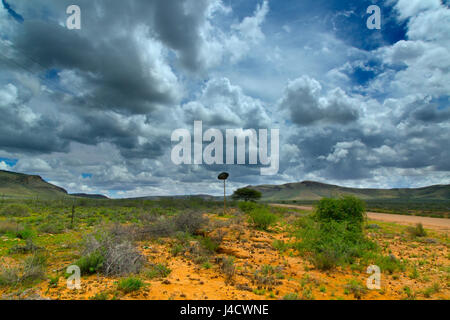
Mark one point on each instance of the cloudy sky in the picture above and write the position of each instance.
(93, 110)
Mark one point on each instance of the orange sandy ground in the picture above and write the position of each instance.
(251, 250)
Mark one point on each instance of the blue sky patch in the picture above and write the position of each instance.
(9, 162)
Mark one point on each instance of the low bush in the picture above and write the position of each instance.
(267, 276)
(210, 244)
(15, 210)
(109, 255)
(347, 209)
(100, 296)
(435, 288)
(291, 296)
(189, 222)
(158, 271)
(32, 269)
(51, 228)
(356, 288)
(162, 227)
(131, 284)
(247, 207)
(9, 277)
(417, 231)
(228, 268)
(90, 263)
(9, 227)
(280, 245)
(389, 264)
(262, 218)
(23, 249)
(25, 233)
(331, 244)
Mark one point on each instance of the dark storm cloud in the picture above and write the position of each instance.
(113, 71)
(23, 130)
(108, 73)
(11, 11)
(432, 114)
(305, 105)
(105, 99)
(178, 26)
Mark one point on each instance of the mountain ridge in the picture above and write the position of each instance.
(312, 190)
(21, 185)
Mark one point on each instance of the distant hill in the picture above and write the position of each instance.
(310, 190)
(205, 197)
(89, 196)
(20, 185)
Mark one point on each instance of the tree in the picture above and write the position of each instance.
(247, 194)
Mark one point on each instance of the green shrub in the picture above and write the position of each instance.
(24, 249)
(332, 243)
(246, 194)
(130, 284)
(435, 288)
(347, 209)
(247, 207)
(291, 296)
(110, 255)
(356, 288)
(25, 233)
(53, 282)
(34, 268)
(158, 271)
(90, 263)
(280, 245)
(389, 264)
(51, 228)
(228, 268)
(177, 249)
(262, 218)
(209, 244)
(100, 296)
(417, 231)
(15, 210)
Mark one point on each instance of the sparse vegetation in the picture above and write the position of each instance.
(262, 218)
(417, 231)
(228, 268)
(356, 288)
(15, 210)
(189, 222)
(291, 296)
(158, 271)
(154, 240)
(109, 255)
(32, 269)
(330, 244)
(430, 291)
(131, 284)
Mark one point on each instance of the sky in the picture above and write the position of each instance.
(93, 110)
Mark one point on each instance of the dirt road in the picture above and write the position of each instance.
(438, 224)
